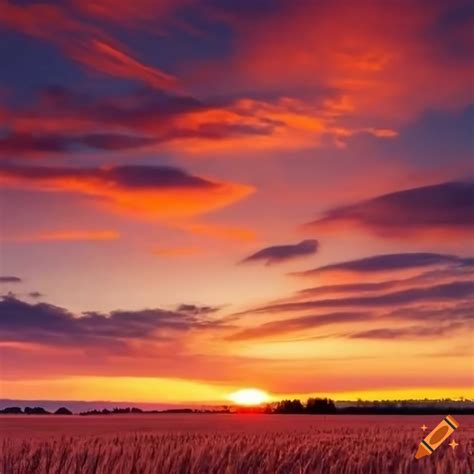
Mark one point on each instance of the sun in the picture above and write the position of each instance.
(249, 396)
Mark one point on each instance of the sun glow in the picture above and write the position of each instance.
(249, 396)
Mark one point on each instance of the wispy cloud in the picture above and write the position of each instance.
(10, 279)
(454, 291)
(81, 41)
(304, 323)
(387, 263)
(283, 253)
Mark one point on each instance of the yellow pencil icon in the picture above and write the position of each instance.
(447, 426)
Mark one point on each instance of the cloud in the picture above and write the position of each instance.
(43, 323)
(124, 13)
(347, 288)
(381, 58)
(436, 300)
(21, 143)
(431, 211)
(35, 294)
(387, 263)
(67, 235)
(450, 273)
(10, 279)
(434, 322)
(196, 310)
(146, 191)
(61, 121)
(409, 332)
(453, 291)
(109, 59)
(282, 253)
(82, 42)
(275, 328)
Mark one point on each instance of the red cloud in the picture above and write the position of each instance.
(386, 59)
(105, 58)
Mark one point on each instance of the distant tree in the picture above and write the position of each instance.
(36, 411)
(136, 410)
(320, 405)
(12, 411)
(63, 411)
(289, 407)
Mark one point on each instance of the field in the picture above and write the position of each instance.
(226, 444)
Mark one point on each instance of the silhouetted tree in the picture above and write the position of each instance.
(63, 411)
(320, 405)
(289, 406)
(12, 411)
(36, 411)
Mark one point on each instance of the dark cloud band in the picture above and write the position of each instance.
(427, 210)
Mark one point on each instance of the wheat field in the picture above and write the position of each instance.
(226, 444)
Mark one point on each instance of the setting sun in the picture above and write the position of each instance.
(249, 396)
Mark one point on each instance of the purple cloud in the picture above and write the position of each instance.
(10, 279)
(49, 324)
(389, 262)
(428, 210)
(282, 253)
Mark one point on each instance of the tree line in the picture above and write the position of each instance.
(312, 406)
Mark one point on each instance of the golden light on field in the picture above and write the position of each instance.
(249, 396)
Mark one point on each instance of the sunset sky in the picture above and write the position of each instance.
(200, 196)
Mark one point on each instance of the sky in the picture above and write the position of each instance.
(202, 196)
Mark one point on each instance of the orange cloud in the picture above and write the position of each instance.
(144, 191)
(69, 235)
(284, 123)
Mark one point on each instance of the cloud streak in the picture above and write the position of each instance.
(304, 323)
(409, 332)
(282, 253)
(377, 264)
(453, 291)
(82, 42)
(10, 279)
